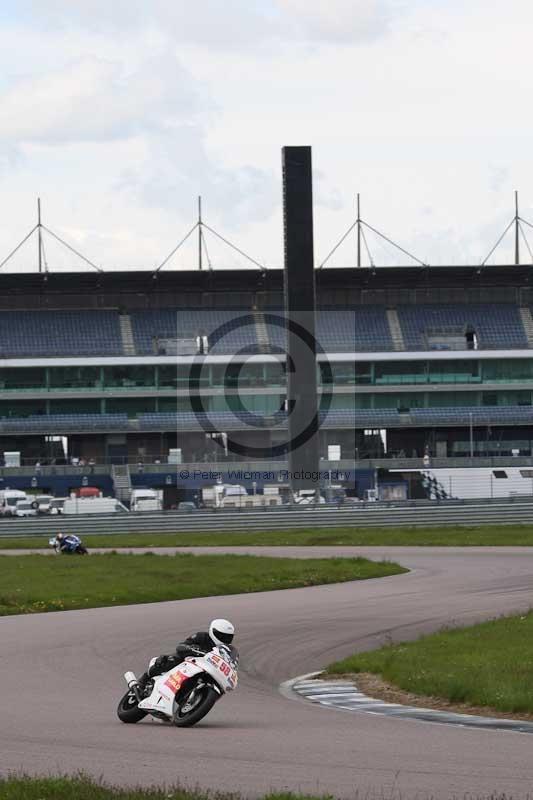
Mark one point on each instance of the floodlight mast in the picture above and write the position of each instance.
(358, 229)
(39, 235)
(516, 231)
(200, 233)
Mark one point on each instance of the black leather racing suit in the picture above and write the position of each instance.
(197, 644)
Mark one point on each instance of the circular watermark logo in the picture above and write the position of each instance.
(244, 417)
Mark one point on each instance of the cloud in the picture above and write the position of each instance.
(178, 168)
(92, 99)
(341, 21)
(241, 23)
(209, 22)
(162, 107)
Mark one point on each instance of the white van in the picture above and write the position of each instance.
(10, 498)
(25, 509)
(145, 500)
(93, 505)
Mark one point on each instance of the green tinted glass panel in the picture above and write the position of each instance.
(22, 408)
(132, 406)
(174, 376)
(259, 404)
(506, 370)
(450, 399)
(74, 377)
(453, 371)
(398, 372)
(274, 374)
(403, 400)
(128, 377)
(24, 378)
(520, 398)
(80, 405)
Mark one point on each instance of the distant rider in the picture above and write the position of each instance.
(220, 634)
(66, 544)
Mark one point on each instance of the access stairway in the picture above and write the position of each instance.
(121, 482)
(126, 333)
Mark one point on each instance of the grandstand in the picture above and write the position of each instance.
(422, 362)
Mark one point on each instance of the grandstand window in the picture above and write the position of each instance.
(349, 401)
(173, 404)
(259, 404)
(453, 372)
(444, 399)
(78, 406)
(250, 374)
(501, 370)
(403, 401)
(520, 398)
(22, 408)
(23, 378)
(398, 372)
(132, 406)
(74, 377)
(217, 375)
(129, 376)
(173, 376)
(275, 373)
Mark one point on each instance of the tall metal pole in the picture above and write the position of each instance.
(39, 235)
(516, 231)
(358, 231)
(199, 233)
(471, 435)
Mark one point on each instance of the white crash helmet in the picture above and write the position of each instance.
(221, 631)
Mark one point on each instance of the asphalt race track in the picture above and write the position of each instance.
(61, 679)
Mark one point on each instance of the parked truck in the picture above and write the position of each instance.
(232, 495)
(145, 500)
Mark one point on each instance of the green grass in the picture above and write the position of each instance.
(83, 788)
(490, 664)
(34, 583)
(444, 536)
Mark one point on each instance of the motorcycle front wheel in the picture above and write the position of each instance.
(193, 705)
(128, 710)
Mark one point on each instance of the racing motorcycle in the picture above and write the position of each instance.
(71, 545)
(184, 694)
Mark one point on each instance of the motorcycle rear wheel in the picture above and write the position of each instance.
(185, 718)
(128, 710)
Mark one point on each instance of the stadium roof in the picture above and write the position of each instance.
(195, 281)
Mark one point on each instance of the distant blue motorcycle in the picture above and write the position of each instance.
(68, 544)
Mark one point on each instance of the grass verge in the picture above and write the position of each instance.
(83, 788)
(34, 583)
(444, 536)
(488, 665)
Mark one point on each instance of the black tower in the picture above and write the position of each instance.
(300, 304)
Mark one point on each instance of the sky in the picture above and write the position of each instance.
(120, 113)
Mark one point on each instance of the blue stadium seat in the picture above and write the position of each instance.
(149, 326)
(64, 423)
(342, 330)
(497, 325)
(59, 333)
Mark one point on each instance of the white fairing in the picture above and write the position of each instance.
(216, 664)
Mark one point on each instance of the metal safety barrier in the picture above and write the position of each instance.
(501, 512)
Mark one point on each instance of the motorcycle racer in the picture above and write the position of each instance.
(220, 634)
(68, 543)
